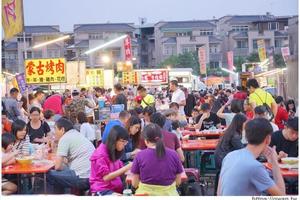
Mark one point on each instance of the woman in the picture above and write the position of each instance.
(106, 166)
(235, 107)
(156, 170)
(134, 130)
(291, 108)
(248, 109)
(231, 140)
(23, 108)
(37, 129)
(86, 128)
(21, 143)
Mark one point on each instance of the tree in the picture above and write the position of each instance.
(238, 61)
(185, 60)
(279, 61)
(253, 57)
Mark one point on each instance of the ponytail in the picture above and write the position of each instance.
(152, 133)
(160, 148)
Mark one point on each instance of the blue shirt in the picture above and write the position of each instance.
(243, 175)
(108, 127)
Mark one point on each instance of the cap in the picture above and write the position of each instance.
(292, 123)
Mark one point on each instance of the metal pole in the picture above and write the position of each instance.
(25, 57)
(78, 65)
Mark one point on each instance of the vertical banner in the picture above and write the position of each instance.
(230, 60)
(202, 60)
(12, 18)
(127, 47)
(271, 58)
(130, 78)
(95, 77)
(261, 50)
(285, 51)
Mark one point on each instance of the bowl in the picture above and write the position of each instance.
(25, 160)
(289, 160)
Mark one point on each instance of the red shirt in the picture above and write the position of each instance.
(6, 126)
(281, 117)
(240, 95)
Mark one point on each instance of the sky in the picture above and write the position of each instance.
(66, 13)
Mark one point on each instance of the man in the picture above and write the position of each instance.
(170, 139)
(242, 174)
(178, 96)
(122, 121)
(240, 94)
(282, 115)
(258, 96)
(11, 105)
(120, 98)
(74, 150)
(77, 105)
(261, 112)
(39, 97)
(147, 99)
(207, 120)
(190, 102)
(286, 140)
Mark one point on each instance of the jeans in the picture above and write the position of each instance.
(60, 180)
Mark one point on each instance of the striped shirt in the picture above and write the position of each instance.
(23, 146)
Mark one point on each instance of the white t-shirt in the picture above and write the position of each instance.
(178, 96)
(88, 131)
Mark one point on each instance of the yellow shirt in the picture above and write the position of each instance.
(259, 97)
(148, 100)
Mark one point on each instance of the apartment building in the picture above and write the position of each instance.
(240, 33)
(174, 38)
(88, 36)
(14, 54)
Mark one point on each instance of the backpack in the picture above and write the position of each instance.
(269, 111)
(193, 186)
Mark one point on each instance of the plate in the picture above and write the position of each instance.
(287, 166)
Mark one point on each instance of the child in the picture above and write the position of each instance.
(86, 128)
(6, 124)
(106, 166)
(176, 129)
(171, 115)
(8, 157)
(195, 114)
(181, 118)
(48, 115)
(160, 182)
(22, 142)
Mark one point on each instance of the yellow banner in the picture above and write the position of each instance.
(45, 71)
(12, 18)
(129, 78)
(261, 50)
(95, 77)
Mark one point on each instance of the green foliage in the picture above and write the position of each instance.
(185, 60)
(278, 61)
(253, 58)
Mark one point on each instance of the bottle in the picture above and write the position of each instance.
(127, 192)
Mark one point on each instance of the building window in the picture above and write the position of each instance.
(278, 43)
(239, 28)
(96, 36)
(186, 49)
(213, 49)
(169, 50)
(273, 25)
(213, 65)
(241, 44)
(255, 44)
(206, 32)
(184, 34)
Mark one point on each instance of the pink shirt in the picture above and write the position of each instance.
(101, 165)
(54, 103)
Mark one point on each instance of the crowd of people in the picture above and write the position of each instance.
(147, 136)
